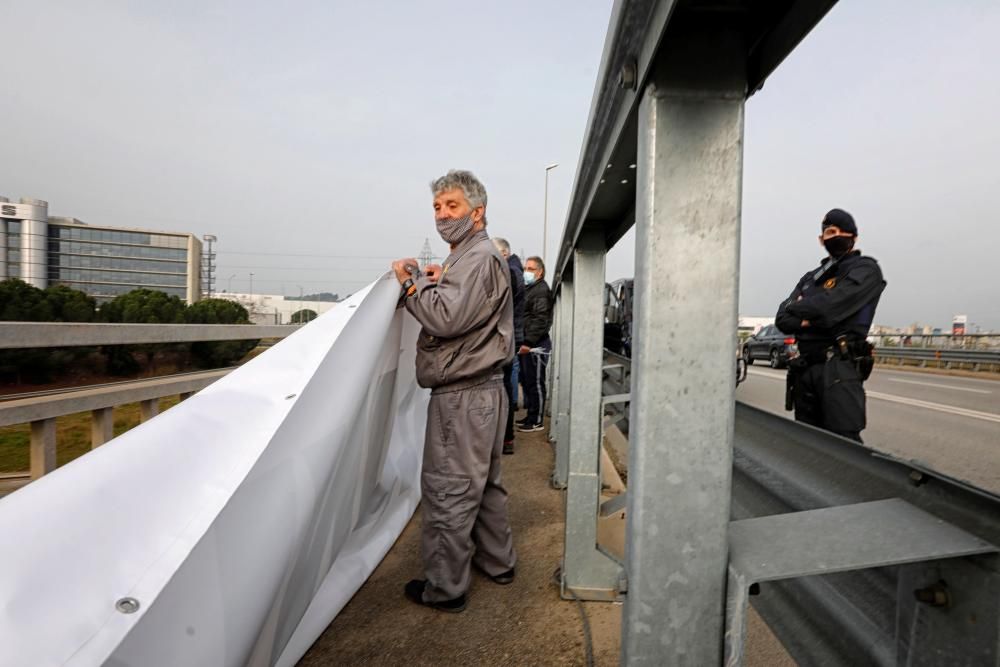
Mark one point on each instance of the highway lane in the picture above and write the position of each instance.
(950, 424)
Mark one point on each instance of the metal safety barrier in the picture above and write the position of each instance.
(852, 556)
(946, 357)
(664, 153)
(15, 335)
(41, 411)
(867, 559)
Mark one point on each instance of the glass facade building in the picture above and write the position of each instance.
(102, 261)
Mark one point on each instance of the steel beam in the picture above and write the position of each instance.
(564, 352)
(689, 174)
(588, 573)
(551, 377)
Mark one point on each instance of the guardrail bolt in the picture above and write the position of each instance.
(917, 478)
(935, 595)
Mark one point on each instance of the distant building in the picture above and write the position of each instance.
(274, 308)
(101, 261)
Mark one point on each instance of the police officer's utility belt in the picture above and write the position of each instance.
(860, 352)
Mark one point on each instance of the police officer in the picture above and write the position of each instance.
(830, 312)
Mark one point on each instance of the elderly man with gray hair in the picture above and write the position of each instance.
(466, 339)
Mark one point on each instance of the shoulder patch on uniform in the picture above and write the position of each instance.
(830, 284)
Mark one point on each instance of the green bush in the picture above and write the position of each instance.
(207, 354)
(21, 302)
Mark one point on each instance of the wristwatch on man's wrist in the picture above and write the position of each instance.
(408, 287)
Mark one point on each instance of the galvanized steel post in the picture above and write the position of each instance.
(563, 349)
(551, 377)
(588, 572)
(689, 170)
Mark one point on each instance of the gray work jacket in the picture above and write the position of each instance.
(467, 317)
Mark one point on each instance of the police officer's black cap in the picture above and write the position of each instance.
(840, 219)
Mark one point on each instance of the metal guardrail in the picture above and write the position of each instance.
(41, 411)
(15, 335)
(980, 341)
(35, 408)
(845, 548)
(663, 152)
(941, 356)
(920, 600)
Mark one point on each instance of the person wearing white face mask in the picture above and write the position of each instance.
(537, 344)
(830, 312)
(467, 337)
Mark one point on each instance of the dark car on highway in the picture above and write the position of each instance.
(771, 344)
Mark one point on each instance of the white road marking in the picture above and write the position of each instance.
(927, 405)
(941, 386)
(950, 409)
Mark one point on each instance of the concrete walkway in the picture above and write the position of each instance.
(525, 623)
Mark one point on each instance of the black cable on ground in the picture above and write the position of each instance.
(588, 644)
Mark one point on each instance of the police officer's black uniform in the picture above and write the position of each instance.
(838, 300)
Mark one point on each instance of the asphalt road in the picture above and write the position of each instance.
(950, 424)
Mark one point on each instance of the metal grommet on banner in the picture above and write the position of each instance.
(127, 605)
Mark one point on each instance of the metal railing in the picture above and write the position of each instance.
(942, 357)
(15, 335)
(977, 341)
(41, 411)
(664, 152)
(839, 542)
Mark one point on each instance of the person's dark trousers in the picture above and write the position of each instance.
(508, 384)
(830, 396)
(533, 366)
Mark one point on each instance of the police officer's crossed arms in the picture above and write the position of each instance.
(830, 312)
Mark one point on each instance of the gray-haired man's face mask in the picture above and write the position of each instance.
(454, 230)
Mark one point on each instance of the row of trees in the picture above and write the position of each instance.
(21, 302)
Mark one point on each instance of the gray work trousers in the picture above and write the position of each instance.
(464, 501)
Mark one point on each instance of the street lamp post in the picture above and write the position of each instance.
(545, 214)
(251, 288)
(229, 288)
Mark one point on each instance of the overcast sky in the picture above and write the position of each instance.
(304, 135)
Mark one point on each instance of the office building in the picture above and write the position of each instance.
(101, 261)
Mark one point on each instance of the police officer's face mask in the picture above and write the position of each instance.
(454, 230)
(838, 246)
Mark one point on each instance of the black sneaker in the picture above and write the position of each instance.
(508, 447)
(521, 422)
(531, 428)
(504, 578)
(414, 592)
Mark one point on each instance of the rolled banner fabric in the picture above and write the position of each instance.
(232, 528)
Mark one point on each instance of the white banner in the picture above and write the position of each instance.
(231, 529)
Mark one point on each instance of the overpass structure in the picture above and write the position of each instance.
(231, 529)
